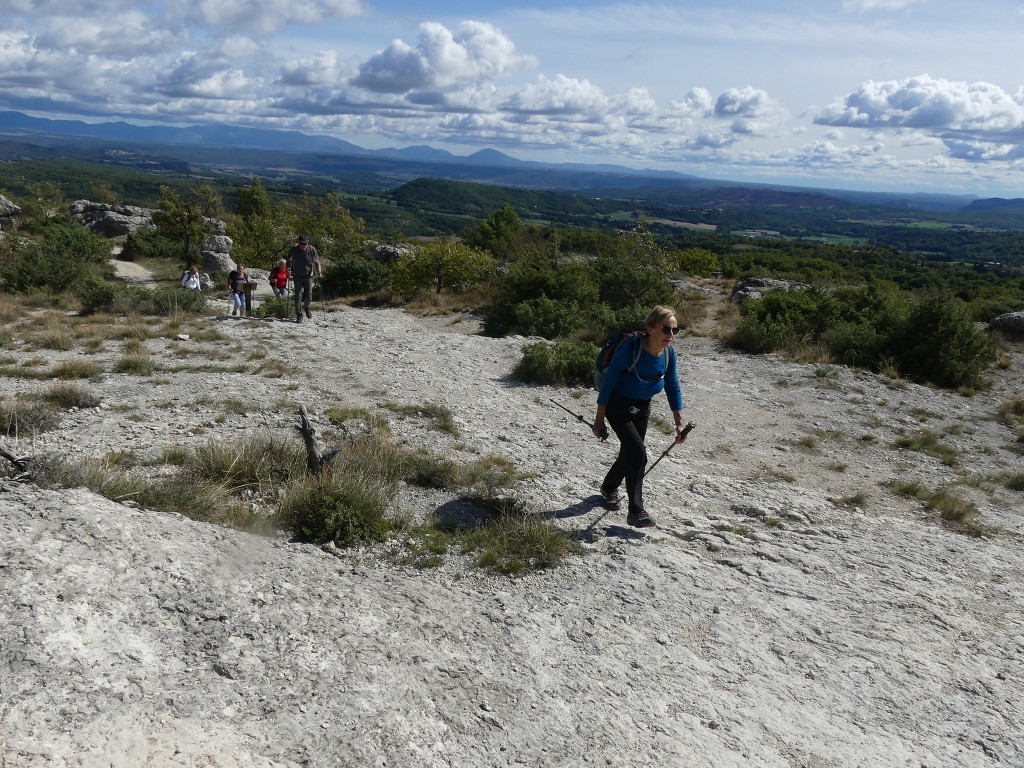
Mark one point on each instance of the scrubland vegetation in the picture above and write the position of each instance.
(863, 306)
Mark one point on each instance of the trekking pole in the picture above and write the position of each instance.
(686, 430)
(323, 296)
(604, 430)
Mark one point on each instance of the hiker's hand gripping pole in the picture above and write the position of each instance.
(679, 438)
(604, 430)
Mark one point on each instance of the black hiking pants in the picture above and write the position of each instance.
(628, 419)
(303, 293)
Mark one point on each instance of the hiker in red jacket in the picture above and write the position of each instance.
(279, 279)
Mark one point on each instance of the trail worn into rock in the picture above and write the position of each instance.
(790, 610)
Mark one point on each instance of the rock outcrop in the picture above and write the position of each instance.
(756, 287)
(1011, 322)
(8, 211)
(217, 254)
(111, 220)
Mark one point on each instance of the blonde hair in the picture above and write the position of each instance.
(658, 316)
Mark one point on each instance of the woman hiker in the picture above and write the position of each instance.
(237, 282)
(625, 399)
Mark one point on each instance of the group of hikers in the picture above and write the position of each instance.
(301, 268)
(642, 366)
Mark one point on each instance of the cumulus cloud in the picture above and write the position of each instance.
(324, 68)
(697, 103)
(441, 59)
(91, 35)
(862, 6)
(265, 16)
(948, 109)
(560, 95)
(40, 8)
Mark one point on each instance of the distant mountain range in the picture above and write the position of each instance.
(261, 148)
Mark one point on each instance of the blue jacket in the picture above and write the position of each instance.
(651, 375)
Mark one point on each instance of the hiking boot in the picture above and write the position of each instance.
(639, 519)
(234, 312)
(309, 314)
(611, 499)
(298, 318)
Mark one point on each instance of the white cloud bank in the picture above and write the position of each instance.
(469, 84)
(976, 121)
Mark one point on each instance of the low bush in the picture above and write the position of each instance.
(279, 308)
(137, 365)
(512, 541)
(22, 417)
(349, 275)
(931, 338)
(561, 363)
(928, 442)
(113, 298)
(337, 507)
(956, 513)
(68, 396)
(182, 493)
(75, 369)
(31, 266)
(149, 244)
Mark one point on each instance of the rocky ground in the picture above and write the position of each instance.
(789, 610)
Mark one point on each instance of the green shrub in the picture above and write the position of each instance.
(696, 261)
(351, 274)
(338, 507)
(117, 298)
(561, 363)
(512, 541)
(69, 396)
(931, 339)
(30, 266)
(441, 266)
(940, 343)
(171, 300)
(138, 365)
(280, 308)
(149, 244)
(541, 296)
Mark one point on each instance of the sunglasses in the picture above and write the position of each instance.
(670, 329)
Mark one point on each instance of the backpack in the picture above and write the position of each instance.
(610, 347)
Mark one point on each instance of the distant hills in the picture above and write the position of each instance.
(244, 149)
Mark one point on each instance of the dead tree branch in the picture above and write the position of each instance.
(316, 458)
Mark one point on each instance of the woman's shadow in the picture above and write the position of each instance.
(610, 528)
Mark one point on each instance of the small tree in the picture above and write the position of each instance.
(327, 223)
(497, 231)
(258, 234)
(696, 261)
(188, 218)
(442, 265)
(44, 201)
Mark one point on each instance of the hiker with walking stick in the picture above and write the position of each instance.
(304, 265)
(643, 365)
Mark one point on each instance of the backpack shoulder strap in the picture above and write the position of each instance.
(638, 345)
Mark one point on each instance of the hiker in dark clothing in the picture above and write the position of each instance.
(303, 265)
(625, 398)
(238, 282)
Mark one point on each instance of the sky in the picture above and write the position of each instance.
(895, 95)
